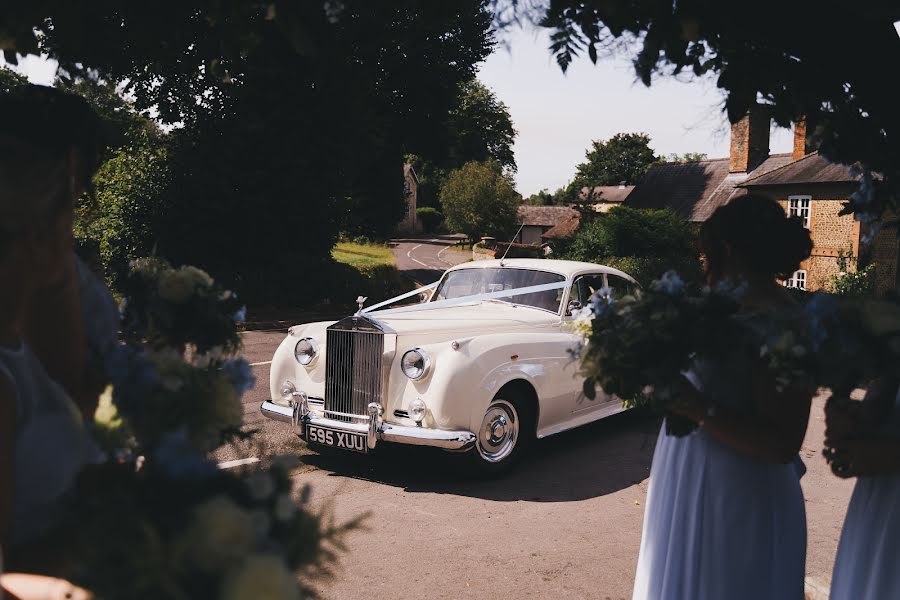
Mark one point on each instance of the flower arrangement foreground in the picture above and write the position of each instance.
(159, 519)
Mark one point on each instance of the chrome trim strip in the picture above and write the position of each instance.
(458, 441)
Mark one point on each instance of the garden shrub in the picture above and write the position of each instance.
(430, 217)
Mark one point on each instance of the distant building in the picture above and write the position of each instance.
(603, 197)
(803, 182)
(411, 190)
(538, 220)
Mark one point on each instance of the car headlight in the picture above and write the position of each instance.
(306, 351)
(417, 410)
(415, 363)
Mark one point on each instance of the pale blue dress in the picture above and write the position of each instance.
(719, 524)
(52, 444)
(867, 566)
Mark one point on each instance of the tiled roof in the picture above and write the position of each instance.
(545, 216)
(695, 189)
(605, 193)
(563, 230)
(812, 168)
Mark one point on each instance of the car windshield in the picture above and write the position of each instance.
(468, 282)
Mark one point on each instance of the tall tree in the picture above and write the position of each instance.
(480, 128)
(839, 87)
(293, 118)
(480, 199)
(624, 157)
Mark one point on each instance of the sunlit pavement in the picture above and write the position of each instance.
(567, 523)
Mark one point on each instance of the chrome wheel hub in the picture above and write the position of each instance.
(499, 431)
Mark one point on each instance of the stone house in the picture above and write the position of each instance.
(410, 222)
(803, 182)
(536, 221)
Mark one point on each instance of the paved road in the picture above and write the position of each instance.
(567, 524)
(424, 259)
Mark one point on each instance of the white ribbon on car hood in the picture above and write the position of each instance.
(456, 301)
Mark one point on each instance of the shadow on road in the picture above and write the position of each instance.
(591, 461)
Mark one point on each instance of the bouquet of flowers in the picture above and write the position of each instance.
(638, 347)
(160, 519)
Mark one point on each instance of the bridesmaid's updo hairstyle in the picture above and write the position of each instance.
(756, 230)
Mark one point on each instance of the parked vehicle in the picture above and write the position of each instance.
(483, 366)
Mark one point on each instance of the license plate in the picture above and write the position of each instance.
(336, 439)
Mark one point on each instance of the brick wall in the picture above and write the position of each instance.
(884, 253)
(831, 234)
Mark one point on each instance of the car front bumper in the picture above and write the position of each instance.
(376, 430)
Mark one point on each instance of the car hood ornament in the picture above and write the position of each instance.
(360, 300)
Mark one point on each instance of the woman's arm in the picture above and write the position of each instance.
(774, 433)
(7, 457)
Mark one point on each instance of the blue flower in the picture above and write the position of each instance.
(601, 300)
(240, 373)
(241, 314)
(179, 459)
(670, 283)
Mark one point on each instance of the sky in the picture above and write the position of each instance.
(557, 115)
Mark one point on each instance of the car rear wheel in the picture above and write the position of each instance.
(505, 432)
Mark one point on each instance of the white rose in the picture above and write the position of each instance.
(261, 577)
(175, 286)
(197, 277)
(221, 534)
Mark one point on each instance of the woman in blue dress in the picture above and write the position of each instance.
(725, 516)
(863, 441)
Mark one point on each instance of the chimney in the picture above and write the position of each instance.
(803, 143)
(749, 140)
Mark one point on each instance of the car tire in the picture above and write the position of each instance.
(506, 431)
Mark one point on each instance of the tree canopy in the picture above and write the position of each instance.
(480, 199)
(623, 158)
(822, 61)
(291, 119)
(480, 128)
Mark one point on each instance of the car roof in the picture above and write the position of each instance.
(566, 268)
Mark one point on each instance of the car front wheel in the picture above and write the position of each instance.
(504, 433)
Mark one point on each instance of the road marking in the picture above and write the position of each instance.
(441, 257)
(417, 261)
(230, 464)
(259, 364)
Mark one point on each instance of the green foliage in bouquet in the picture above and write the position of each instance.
(159, 518)
(638, 346)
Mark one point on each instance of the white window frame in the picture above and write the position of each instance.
(797, 280)
(800, 206)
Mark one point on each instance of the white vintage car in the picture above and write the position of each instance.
(482, 365)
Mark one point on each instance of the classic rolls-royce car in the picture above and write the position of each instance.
(481, 366)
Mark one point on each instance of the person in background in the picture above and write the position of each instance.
(862, 440)
(725, 515)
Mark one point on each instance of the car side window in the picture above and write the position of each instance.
(619, 286)
(583, 289)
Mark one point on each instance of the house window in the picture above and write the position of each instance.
(797, 280)
(799, 206)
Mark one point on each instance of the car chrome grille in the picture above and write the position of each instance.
(354, 353)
